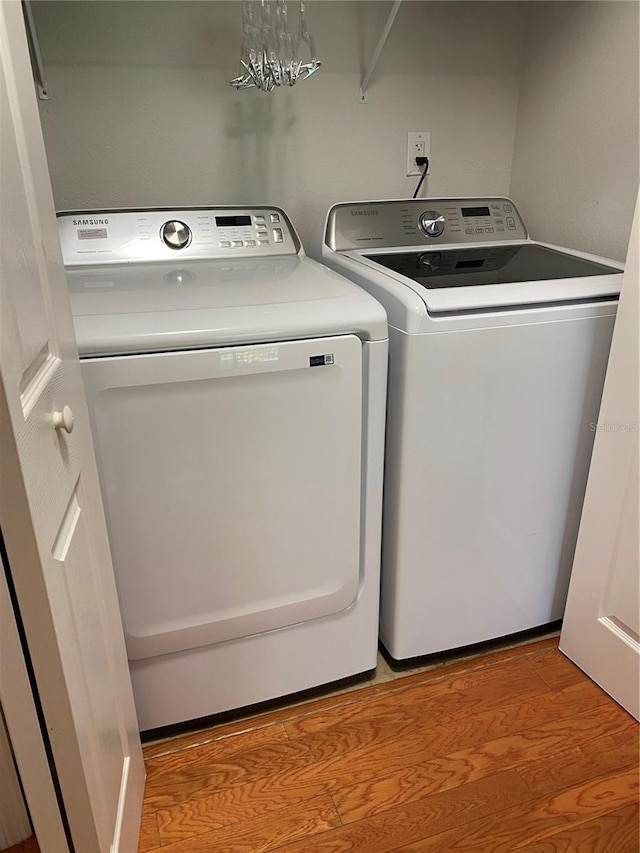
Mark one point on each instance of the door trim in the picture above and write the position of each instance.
(23, 726)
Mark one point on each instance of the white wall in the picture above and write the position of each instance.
(142, 112)
(575, 164)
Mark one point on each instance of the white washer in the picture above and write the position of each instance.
(498, 350)
(237, 395)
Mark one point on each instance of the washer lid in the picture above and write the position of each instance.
(481, 265)
(461, 278)
(157, 307)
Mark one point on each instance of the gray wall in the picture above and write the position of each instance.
(575, 165)
(537, 99)
(142, 112)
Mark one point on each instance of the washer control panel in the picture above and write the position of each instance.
(421, 222)
(128, 236)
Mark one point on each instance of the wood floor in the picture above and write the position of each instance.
(28, 846)
(512, 751)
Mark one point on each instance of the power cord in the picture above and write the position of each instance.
(421, 161)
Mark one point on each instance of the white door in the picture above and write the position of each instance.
(601, 630)
(50, 510)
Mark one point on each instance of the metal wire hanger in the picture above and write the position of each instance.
(270, 49)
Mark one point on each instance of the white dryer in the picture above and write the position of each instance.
(498, 351)
(237, 395)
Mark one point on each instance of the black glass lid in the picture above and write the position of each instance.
(482, 265)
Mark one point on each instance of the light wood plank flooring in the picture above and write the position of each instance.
(515, 750)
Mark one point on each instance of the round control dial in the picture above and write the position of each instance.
(432, 223)
(176, 234)
(429, 261)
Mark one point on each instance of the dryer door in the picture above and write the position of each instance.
(231, 480)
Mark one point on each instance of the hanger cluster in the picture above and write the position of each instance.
(270, 48)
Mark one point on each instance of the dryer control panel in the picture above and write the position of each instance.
(423, 222)
(130, 236)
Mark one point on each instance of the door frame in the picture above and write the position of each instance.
(16, 694)
(15, 825)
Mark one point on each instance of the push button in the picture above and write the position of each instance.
(511, 223)
(508, 208)
(236, 244)
(225, 244)
(275, 217)
(277, 235)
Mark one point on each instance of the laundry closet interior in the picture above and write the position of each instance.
(532, 113)
(533, 102)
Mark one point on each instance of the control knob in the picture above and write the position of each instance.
(429, 261)
(175, 234)
(432, 223)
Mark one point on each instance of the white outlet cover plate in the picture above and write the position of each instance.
(415, 138)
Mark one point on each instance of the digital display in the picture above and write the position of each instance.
(469, 265)
(232, 221)
(475, 211)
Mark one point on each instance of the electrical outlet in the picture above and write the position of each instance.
(418, 145)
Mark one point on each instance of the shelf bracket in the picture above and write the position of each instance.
(362, 93)
(34, 49)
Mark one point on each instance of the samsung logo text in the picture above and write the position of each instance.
(90, 221)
